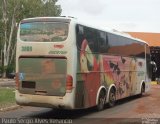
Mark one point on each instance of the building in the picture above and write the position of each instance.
(153, 39)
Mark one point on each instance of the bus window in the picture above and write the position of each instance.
(148, 61)
(79, 35)
(117, 45)
(120, 45)
(89, 36)
(103, 42)
(43, 31)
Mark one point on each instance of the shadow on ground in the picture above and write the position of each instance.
(73, 114)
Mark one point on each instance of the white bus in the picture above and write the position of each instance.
(62, 63)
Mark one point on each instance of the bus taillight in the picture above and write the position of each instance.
(17, 80)
(69, 83)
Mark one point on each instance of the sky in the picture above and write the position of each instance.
(122, 15)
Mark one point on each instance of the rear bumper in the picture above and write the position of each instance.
(44, 101)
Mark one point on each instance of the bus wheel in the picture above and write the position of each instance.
(101, 101)
(142, 90)
(112, 98)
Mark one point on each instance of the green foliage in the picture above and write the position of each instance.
(18, 10)
(7, 69)
(1, 71)
(27, 9)
(10, 68)
(36, 8)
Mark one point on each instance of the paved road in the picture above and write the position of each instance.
(7, 82)
(133, 109)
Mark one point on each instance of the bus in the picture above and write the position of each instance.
(66, 64)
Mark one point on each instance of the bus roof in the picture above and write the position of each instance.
(112, 31)
(63, 19)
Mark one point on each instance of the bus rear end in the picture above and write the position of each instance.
(43, 59)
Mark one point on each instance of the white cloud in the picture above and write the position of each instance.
(88, 7)
(136, 15)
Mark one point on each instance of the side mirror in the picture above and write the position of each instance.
(154, 66)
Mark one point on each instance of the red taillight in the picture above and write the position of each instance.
(17, 80)
(69, 83)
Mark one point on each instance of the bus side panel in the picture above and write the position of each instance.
(121, 72)
(104, 59)
(148, 69)
(125, 72)
(79, 98)
(95, 70)
(88, 80)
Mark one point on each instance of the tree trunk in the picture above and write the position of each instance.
(7, 51)
(5, 37)
(8, 55)
(12, 54)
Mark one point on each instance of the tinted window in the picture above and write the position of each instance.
(93, 40)
(148, 60)
(87, 37)
(103, 41)
(91, 37)
(43, 31)
(79, 35)
(120, 45)
(117, 44)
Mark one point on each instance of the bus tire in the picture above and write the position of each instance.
(112, 97)
(142, 89)
(101, 100)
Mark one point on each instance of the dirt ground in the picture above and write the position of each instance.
(148, 106)
(137, 110)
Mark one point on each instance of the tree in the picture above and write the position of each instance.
(13, 11)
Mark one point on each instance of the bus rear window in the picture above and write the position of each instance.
(44, 31)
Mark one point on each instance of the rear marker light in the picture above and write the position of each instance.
(69, 83)
(17, 80)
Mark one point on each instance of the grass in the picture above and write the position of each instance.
(7, 97)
